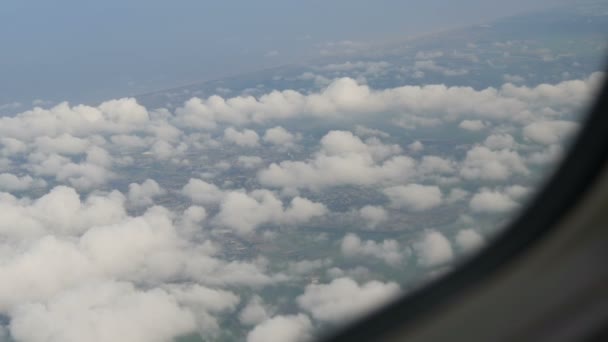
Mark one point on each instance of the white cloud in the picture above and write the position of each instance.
(113, 116)
(472, 125)
(109, 311)
(343, 299)
(254, 312)
(12, 146)
(345, 95)
(517, 192)
(304, 267)
(496, 165)
(84, 255)
(244, 212)
(433, 165)
(500, 142)
(550, 132)
(342, 159)
(126, 141)
(244, 138)
(163, 150)
(279, 136)
(11, 182)
(416, 146)
(293, 328)
(492, 201)
(373, 215)
(204, 303)
(59, 248)
(249, 162)
(201, 192)
(87, 174)
(143, 194)
(62, 144)
(414, 196)
(389, 250)
(433, 249)
(60, 212)
(469, 240)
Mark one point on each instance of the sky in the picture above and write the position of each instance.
(85, 51)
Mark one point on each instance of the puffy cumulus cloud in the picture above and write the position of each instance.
(345, 95)
(192, 218)
(163, 150)
(59, 212)
(204, 303)
(290, 328)
(66, 255)
(63, 144)
(414, 196)
(550, 132)
(110, 311)
(373, 215)
(10, 182)
(62, 125)
(343, 299)
(569, 94)
(494, 165)
(434, 165)
(518, 192)
(115, 116)
(244, 212)
(344, 142)
(79, 260)
(244, 138)
(433, 249)
(493, 201)
(472, 125)
(143, 194)
(124, 111)
(279, 136)
(255, 312)
(469, 240)
(129, 142)
(249, 162)
(201, 192)
(389, 250)
(416, 146)
(12, 146)
(500, 141)
(90, 173)
(343, 159)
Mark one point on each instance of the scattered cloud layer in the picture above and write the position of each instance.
(121, 222)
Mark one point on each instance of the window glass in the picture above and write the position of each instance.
(272, 170)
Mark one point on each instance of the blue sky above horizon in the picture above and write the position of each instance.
(89, 51)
